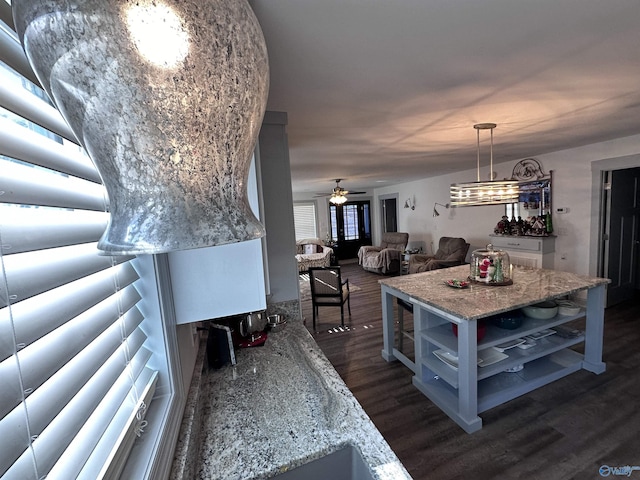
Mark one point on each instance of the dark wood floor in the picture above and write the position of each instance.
(565, 430)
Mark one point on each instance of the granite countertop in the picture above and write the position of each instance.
(281, 406)
(530, 285)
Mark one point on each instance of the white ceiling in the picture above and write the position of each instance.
(382, 92)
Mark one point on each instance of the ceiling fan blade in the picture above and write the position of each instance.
(338, 190)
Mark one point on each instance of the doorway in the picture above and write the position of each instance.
(621, 233)
(350, 227)
(389, 212)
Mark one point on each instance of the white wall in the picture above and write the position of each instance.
(474, 224)
(575, 172)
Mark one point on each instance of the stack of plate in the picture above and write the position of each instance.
(486, 357)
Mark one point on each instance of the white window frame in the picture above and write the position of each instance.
(296, 219)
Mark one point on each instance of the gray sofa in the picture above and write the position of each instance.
(385, 258)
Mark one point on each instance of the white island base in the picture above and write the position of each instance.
(471, 388)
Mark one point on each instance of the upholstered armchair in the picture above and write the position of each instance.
(451, 252)
(311, 252)
(387, 257)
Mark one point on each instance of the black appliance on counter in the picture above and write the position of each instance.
(226, 334)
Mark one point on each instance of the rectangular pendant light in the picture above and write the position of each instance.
(484, 193)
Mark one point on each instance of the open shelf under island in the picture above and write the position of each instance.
(471, 386)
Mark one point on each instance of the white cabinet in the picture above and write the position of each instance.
(537, 252)
(217, 281)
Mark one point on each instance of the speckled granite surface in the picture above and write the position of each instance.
(282, 406)
(530, 285)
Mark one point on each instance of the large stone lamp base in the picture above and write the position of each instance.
(167, 97)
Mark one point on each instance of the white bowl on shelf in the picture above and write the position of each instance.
(541, 311)
(567, 307)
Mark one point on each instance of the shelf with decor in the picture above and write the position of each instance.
(514, 356)
(443, 335)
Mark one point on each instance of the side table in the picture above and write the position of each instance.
(406, 258)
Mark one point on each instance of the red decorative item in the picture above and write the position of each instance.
(254, 341)
(482, 329)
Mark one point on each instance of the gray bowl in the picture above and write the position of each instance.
(508, 320)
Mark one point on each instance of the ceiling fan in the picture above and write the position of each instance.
(339, 194)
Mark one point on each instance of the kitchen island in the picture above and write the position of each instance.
(474, 377)
(282, 406)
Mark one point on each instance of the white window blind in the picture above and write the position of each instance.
(75, 361)
(304, 218)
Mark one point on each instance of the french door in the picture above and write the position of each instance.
(350, 227)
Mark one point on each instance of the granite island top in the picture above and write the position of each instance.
(281, 406)
(530, 285)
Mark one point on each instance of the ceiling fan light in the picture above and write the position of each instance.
(337, 199)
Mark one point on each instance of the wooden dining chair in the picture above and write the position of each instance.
(328, 290)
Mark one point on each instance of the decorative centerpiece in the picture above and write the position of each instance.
(491, 267)
(535, 226)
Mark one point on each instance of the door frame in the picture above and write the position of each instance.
(623, 219)
(379, 228)
(597, 261)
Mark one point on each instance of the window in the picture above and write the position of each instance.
(351, 225)
(83, 348)
(304, 218)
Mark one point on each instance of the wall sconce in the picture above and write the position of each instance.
(435, 212)
(409, 203)
(169, 109)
